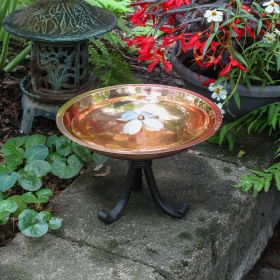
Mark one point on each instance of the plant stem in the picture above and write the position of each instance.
(11, 65)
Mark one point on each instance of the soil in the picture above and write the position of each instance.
(10, 117)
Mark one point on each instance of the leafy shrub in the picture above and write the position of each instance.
(27, 160)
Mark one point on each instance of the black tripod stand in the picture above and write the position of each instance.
(134, 182)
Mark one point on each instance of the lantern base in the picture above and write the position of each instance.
(32, 109)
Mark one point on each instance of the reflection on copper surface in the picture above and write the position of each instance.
(139, 119)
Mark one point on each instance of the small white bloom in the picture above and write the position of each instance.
(277, 31)
(219, 92)
(220, 106)
(271, 7)
(213, 15)
(269, 37)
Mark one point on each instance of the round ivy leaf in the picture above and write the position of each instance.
(21, 205)
(63, 146)
(2, 196)
(15, 158)
(30, 225)
(56, 157)
(44, 193)
(44, 216)
(38, 152)
(39, 167)
(12, 144)
(68, 169)
(8, 206)
(7, 181)
(34, 140)
(51, 141)
(55, 223)
(83, 153)
(4, 218)
(29, 181)
(29, 197)
(4, 168)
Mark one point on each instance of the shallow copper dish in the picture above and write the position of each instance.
(139, 121)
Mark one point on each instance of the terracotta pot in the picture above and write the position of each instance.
(250, 99)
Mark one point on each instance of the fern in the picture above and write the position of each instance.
(261, 180)
(264, 118)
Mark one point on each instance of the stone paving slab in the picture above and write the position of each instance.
(54, 258)
(220, 238)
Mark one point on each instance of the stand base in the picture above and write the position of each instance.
(134, 182)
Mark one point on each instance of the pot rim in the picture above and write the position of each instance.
(198, 79)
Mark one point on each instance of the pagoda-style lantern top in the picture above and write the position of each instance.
(60, 21)
(59, 70)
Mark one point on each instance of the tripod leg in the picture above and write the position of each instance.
(172, 211)
(138, 182)
(115, 213)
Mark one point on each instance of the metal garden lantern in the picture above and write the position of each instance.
(59, 70)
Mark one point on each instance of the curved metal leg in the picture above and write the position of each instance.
(115, 213)
(172, 211)
(138, 179)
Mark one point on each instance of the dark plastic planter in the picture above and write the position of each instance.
(249, 99)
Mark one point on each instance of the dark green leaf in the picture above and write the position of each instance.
(29, 181)
(63, 146)
(39, 167)
(34, 140)
(55, 223)
(7, 181)
(21, 205)
(38, 152)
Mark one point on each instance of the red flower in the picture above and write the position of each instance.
(232, 63)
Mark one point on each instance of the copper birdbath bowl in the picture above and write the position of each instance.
(139, 123)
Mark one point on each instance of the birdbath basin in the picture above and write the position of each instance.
(139, 123)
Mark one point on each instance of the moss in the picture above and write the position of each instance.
(185, 235)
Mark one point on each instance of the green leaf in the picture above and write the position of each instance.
(14, 159)
(29, 180)
(34, 140)
(67, 169)
(31, 225)
(208, 42)
(4, 168)
(44, 193)
(240, 58)
(38, 152)
(7, 181)
(41, 196)
(12, 144)
(55, 223)
(63, 146)
(2, 196)
(44, 216)
(21, 205)
(83, 153)
(8, 206)
(51, 141)
(39, 167)
(99, 159)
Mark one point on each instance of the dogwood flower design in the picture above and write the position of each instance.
(219, 92)
(271, 7)
(269, 37)
(213, 15)
(138, 120)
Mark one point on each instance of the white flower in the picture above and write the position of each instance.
(269, 37)
(219, 92)
(220, 106)
(277, 31)
(271, 7)
(137, 120)
(213, 15)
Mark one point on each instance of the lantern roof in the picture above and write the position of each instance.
(60, 21)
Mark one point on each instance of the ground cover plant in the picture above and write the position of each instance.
(27, 160)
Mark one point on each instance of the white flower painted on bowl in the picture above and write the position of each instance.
(269, 37)
(213, 15)
(271, 7)
(219, 92)
(220, 106)
(138, 120)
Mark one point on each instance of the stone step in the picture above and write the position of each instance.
(220, 238)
